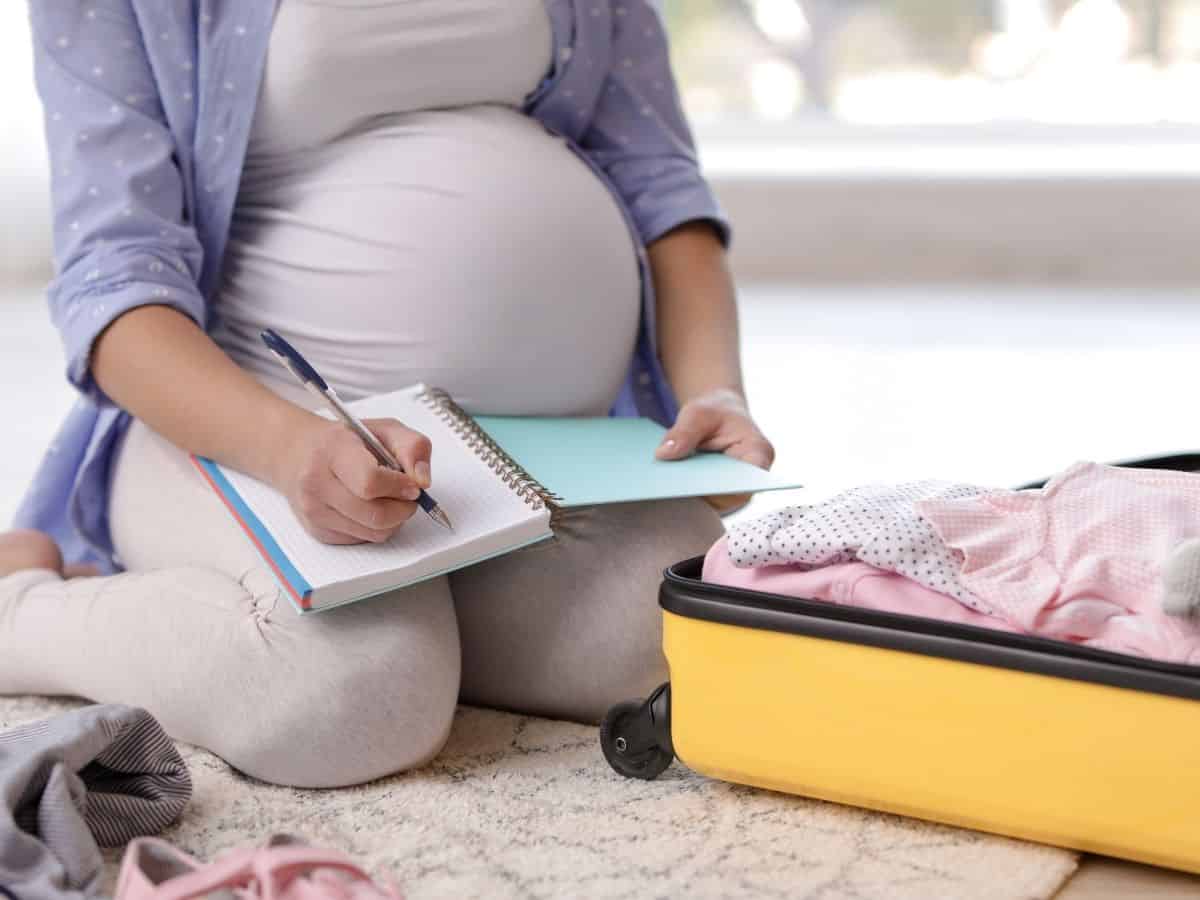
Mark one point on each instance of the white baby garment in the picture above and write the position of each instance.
(875, 524)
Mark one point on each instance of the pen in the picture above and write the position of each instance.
(300, 367)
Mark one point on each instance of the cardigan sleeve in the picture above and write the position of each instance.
(121, 233)
(638, 134)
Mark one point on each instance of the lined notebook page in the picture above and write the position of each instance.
(475, 499)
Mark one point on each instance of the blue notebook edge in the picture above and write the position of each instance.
(295, 584)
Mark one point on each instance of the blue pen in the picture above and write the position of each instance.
(300, 367)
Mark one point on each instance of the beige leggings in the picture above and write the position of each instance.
(197, 632)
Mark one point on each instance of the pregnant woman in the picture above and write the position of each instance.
(498, 197)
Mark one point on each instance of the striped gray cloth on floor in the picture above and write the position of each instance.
(98, 775)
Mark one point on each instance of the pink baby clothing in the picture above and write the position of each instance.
(875, 524)
(285, 869)
(845, 583)
(1080, 559)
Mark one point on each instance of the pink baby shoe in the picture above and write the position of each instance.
(285, 869)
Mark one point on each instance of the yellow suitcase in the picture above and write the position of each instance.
(1012, 734)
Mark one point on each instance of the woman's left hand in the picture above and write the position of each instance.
(718, 420)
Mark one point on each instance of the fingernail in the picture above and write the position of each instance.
(668, 444)
(421, 473)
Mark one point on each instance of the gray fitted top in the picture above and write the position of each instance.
(401, 220)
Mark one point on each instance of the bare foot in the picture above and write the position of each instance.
(28, 549)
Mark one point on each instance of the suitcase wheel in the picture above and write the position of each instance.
(636, 736)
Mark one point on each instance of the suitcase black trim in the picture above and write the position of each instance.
(683, 593)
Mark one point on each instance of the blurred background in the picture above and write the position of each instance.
(747, 63)
(964, 229)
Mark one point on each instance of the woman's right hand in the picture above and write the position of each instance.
(337, 489)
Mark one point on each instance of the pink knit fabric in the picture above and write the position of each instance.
(850, 584)
(1081, 559)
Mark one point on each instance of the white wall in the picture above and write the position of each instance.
(24, 202)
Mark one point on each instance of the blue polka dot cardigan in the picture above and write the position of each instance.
(148, 107)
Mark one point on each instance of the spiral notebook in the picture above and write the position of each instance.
(503, 481)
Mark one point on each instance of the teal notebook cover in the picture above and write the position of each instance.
(589, 461)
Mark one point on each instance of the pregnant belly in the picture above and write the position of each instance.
(468, 249)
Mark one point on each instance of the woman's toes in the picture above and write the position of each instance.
(27, 549)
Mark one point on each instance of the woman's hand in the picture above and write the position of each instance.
(718, 420)
(338, 490)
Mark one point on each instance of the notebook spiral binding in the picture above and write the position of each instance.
(497, 459)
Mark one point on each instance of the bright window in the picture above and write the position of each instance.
(920, 62)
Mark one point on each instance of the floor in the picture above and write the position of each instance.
(992, 385)
(519, 808)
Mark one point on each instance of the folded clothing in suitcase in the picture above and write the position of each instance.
(1009, 733)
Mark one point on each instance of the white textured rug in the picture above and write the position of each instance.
(517, 807)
